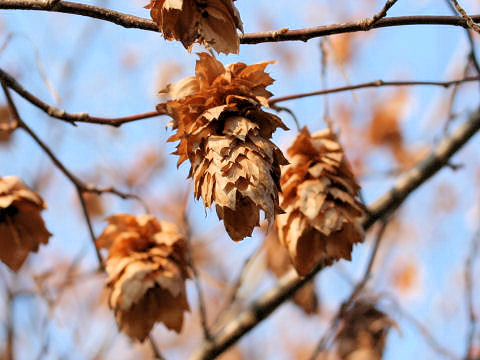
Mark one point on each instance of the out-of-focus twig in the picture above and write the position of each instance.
(196, 278)
(156, 351)
(235, 288)
(79, 185)
(337, 319)
(434, 344)
(470, 22)
(130, 21)
(469, 295)
(60, 114)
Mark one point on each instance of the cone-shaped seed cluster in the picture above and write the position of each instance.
(319, 196)
(146, 269)
(223, 131)
(364, 333)
(22, 229)
(210, 22)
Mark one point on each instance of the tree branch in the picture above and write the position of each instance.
(130, 21)
(384, 206)
(60, 114)
(372, 84)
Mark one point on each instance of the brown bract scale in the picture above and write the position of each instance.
(146, 269)
(22, 229)
(223, 131)
(210, 22)
(320, 200)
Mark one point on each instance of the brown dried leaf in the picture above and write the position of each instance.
(22, 229)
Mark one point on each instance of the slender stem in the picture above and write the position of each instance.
(372, 84)
(155, 349)
(469, 295)
(196, 277)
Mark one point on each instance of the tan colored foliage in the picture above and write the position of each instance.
(22, 229)
(146, 269)
(223, 131)
(210, 22)
(320, 199)
(364, 332)
(278, 261)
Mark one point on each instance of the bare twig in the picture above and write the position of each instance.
(60, 114)
(156, 351)
(434, 344)
(235, 288)
(79, 185)
(469, 295)
(384, 206)
(470, 22)
(373, 84)
(368, 23)
(130, 21)
(337, 319)
(10, 330)
(196, 278)
(473, 54)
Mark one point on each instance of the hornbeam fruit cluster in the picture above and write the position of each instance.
(320, 199)
(224, 133)
(146, 269)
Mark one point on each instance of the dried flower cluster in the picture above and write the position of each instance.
(319, 196)
(364, 332)
(146, 269)
(210, 22)
(223, 131)
(22, 229)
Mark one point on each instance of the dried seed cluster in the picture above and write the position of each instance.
(146, 269)
(223, 131)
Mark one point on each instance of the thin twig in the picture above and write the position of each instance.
(60, 114)
(368, 23)
(372, 84)
(337, 319)
(156, 351)
(79, 185)
(130, 21)
(434, 344)
(196, 278)
(10, 328)
(470, 22)
(469, 295)
(235, 288)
